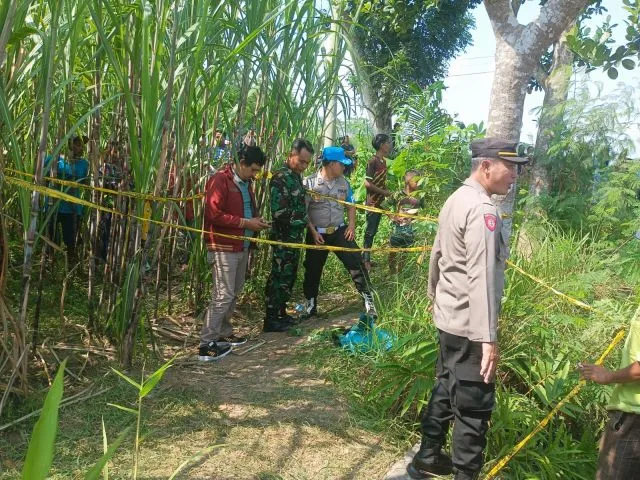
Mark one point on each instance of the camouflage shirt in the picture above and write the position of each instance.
(288, 209)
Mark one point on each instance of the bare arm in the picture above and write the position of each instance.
(350, 232)
(604, 376)
(351, 216)
(371, 188)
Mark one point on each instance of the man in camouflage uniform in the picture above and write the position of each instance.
(289, 216)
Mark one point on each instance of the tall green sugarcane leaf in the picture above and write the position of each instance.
(42, 443)
(101, 464)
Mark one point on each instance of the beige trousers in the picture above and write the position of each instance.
(229, 270)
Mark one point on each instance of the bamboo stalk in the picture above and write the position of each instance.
(31, 232)
(36, 313)
(4, 235)
(6, 31)
(94, 148)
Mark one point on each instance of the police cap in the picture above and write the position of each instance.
(335, 154)
(497, 148)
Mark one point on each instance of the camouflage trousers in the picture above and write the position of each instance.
(284, 269)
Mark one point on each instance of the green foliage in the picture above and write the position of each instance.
(385, 29)
(577, 39)
(542, 337)
(101, 468)
(597, 50)
(123, 311)
(442, 165)
(555, 452)
(421, 114)
(42, 444)
(586, 144)
(404, 380)
(616, 208)
(145, 386)
(40, 453)
(397, 43)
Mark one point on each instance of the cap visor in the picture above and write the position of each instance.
(518, 160)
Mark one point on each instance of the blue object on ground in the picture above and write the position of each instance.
(365, 336)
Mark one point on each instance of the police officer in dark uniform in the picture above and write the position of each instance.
(289, 216)
(466, 281)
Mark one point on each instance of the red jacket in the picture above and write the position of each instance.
(223, 209)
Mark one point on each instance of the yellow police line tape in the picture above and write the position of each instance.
(70, 198)
(369, 208)
(620, 335)
(359, 206)
(142, 196)
(543, 423)
(153, 198)
(566, 297)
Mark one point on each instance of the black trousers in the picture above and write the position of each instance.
(69, 225)
(459, 394)
(314, 261)
(373, 222)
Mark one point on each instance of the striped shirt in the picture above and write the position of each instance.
(377, 175)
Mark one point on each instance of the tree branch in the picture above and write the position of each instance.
(503, 19)
(541, 76)
(515, 6)
(554, 18)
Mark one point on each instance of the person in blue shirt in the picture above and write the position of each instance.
(75, 168)
(220, 151)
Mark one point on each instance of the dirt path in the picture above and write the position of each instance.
(276, 419)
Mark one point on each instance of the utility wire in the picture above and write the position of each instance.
(472, 73)
(474, 58)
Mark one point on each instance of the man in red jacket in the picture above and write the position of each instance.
(230, 209)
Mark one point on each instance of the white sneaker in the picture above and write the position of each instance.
(369, 305)
(310, 308)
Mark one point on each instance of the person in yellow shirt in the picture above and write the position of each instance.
(620, 443)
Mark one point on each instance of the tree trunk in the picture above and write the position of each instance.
(514, 67)
(556, 91)
(518, 50)
(329, 128)
(378, 105)
(506, 108)
(376, 99)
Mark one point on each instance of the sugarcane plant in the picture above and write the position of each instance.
(149, 83)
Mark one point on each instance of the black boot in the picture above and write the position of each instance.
(466, 475)
(273, 322)
(284, 317)
(429, 462)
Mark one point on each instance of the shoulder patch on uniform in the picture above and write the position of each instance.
(490, 221)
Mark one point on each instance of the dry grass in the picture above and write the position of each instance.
(274, 418)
